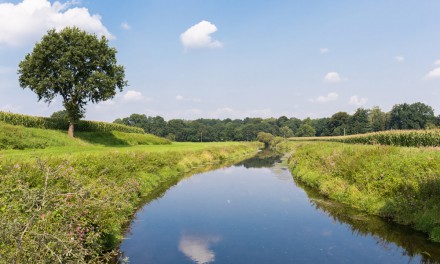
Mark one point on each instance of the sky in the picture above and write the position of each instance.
(194, 59)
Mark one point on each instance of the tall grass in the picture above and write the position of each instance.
(73, 209)
(61, 124)
(401, 184)
(404, 138)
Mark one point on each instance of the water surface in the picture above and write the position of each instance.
(255, 212)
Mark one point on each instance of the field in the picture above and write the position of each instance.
(69, 201)
(398, 183)
(404, 138)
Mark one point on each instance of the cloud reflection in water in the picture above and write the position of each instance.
(197, 247)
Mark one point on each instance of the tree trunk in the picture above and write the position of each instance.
(71, 129)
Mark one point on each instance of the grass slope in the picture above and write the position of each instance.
(401, 184)
(19, 137)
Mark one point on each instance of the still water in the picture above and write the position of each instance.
(254, 212)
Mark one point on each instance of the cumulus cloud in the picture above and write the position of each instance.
(434, 74)
(133, 96)
(437, 63)
(399, 58)
(125, 26)
(324, 50)
(324, 99)
(333, 77)
(199, 36)
(28, 20)
(358, 101)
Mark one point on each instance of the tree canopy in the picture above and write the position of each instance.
(247, 129)
(75, 65)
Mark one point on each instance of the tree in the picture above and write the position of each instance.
(75, 65)
(265, 138)
(306, 130)
(377, 119)
(338, 123)
(286, 132)
(358, 123)
(414, 116)
(60, 115)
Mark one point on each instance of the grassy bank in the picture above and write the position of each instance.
(20, 137)
(71, 204)
(400, 184)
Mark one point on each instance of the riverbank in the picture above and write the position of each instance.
(72, 204)
(398, 183)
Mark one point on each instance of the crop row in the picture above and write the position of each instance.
(404, 138)
(61, 124)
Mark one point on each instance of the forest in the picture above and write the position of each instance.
(402, 116)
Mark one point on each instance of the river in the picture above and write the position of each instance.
(255, 212)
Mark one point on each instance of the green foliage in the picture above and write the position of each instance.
(411, 116)
(397, 183)
(341, 123)
(60, 124)
(265, 138)
(306, 130)
(63, 114)
(75, 65)
(286, 132)
(73, 209)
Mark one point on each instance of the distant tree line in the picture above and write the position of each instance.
(401, 116)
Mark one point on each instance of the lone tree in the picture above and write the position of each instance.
(75, 65)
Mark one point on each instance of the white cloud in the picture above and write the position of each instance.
(437, 62)
(333, 77)
(324, 99)
(399, 58)
(125, 26)
(28, 20)
(199, 36)
(181, 98)
(324, 50)
(434, 74)
(133, 96)
(358, 101)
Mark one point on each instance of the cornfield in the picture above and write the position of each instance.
(61, 124)
(404, 138)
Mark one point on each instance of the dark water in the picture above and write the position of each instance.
(254, 212)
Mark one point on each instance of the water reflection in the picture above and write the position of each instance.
(266, 158)
(263, 216)
(197, 248)
(413, 244)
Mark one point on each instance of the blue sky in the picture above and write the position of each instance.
(240, 58)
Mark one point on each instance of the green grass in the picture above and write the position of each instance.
(69, 201)
(398, 183)
(19, 137)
